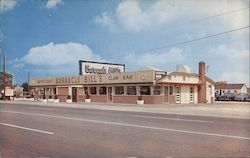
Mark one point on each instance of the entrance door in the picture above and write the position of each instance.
(109, 94)
(178, 95)
(166, 89)
(191, 94)
(74, 94)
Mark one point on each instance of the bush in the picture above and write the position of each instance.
(50, 97)
(87, 96)
(69, 97)
(139, 97)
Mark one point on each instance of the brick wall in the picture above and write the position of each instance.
(153, 99)
(125, 99)
(98, 98)
(133, 99)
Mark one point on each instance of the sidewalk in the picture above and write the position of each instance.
(219, 109)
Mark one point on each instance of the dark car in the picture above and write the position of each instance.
(241, 97)
(248, 98)
(226, 97)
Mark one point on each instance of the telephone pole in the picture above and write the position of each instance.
(4, 75)
(29, 82)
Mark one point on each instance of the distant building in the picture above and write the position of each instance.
(223, 87)
(18, 91)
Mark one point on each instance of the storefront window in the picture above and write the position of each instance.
(145, 90)
(85, 90)
(119, 90)
(131, 90)
(92, 90)
(54, 90)
(102, 90)
(157, 90)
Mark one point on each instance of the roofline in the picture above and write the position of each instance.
(242, 84)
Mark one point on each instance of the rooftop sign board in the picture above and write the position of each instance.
(90, 67)
(97, 79)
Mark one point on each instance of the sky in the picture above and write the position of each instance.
(48, 37)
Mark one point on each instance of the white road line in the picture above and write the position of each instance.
(41, 108)
(133, 125)
(25, 128)
(143, 116)
(174, 119)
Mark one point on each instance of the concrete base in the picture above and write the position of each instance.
(44, 100)
(87, 100)
(140, 102)
(50, 100)
(56, 100)
(69, 101)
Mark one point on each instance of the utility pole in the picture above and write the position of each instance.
(1, 73)
(29, 82)
(4, 76)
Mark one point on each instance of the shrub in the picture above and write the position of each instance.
(69, 97)
(139, 97)
(87, 96)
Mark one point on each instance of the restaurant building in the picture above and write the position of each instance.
(151, 86)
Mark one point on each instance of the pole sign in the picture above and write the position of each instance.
(91, 67)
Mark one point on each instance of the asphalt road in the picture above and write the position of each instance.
(57, 132)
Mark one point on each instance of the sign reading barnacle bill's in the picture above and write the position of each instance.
(97, 79)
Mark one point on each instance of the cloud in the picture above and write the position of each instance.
(173, 57)
(1, 35)
(134, 17)
(235, 77)
(53, 3)
(232, 62)
(234, 58)
(57, 58)
(6, 5)
(106, 20)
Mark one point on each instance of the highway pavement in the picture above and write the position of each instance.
(30, 131)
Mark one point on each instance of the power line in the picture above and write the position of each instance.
(221, 14)
(183, 42)
(199, 20)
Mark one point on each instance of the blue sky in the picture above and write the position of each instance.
(47, 38)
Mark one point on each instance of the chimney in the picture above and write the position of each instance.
(202, 81)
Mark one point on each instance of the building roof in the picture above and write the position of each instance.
(186, 74)
(229, 86)
(191, 74)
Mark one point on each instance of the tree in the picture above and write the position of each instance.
(8, 80)
(25, 86)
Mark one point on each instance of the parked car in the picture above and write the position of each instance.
(228, 97)
(241, 97)
(248, 98)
